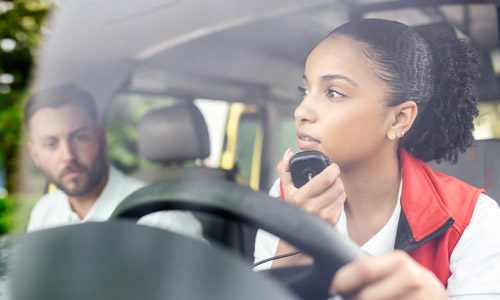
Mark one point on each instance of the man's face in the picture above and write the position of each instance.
(68, 147)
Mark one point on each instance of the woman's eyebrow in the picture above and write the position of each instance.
(334, 77)
(338, 76)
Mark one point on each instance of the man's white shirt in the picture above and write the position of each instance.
(54, 210)
(474, 263)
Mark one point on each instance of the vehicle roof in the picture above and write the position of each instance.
(250, 51)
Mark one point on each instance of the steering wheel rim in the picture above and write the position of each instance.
(226, 199)
(120, 260)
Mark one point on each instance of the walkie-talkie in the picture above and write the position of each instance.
(307, 164)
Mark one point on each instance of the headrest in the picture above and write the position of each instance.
(478, 166)
(173, 134)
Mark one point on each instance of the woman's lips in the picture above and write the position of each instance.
(305, 142)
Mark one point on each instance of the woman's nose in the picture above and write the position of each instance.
(305, 112)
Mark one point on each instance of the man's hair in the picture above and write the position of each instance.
(58, 96)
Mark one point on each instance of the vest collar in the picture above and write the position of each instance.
(424, 214)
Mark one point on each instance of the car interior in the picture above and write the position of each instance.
(252, 59)
(478, 166)
(184, 124)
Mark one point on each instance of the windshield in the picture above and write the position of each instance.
(180, 89)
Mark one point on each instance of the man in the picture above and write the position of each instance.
(67, 145)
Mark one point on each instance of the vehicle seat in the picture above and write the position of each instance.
(174, 136)
(478, 166)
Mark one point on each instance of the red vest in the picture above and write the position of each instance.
(435, 210)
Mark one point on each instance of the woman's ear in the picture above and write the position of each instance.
(404, 116)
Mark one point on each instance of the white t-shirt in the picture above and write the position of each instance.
(474, 263)
(54, 209)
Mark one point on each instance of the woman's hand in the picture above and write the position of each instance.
(323, 195)
(390, 276)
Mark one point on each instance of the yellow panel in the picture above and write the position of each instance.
(232, 126)
(256, 160)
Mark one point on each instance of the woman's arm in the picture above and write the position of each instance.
(475, 261)
(394, 275)
(474, 266)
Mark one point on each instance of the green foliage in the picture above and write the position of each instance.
(487, 124)
(5, 214)
(20, 206)
(20, 26)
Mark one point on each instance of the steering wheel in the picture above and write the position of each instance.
(304, 231)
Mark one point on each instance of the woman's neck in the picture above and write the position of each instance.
(372, 188)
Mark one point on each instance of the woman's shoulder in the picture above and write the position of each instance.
(487, 207)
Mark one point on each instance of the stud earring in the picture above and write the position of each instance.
(391, 135)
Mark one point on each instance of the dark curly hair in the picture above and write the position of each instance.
(434, 69)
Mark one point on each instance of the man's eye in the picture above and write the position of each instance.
(49, 145)
(334, 94)
(81, 137)
(303, 91)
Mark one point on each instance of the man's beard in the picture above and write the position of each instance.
(93, 176)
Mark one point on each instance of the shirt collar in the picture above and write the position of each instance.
(105, 203)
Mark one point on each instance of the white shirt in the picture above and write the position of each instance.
(54, 209)
(474, 263)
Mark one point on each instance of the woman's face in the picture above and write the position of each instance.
(344, 112)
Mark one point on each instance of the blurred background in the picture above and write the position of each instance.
(21, 31)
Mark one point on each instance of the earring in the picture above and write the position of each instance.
(401, 134)
(391, 135)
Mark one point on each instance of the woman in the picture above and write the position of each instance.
(380, 98)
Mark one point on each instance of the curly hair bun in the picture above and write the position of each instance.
(445, 126)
